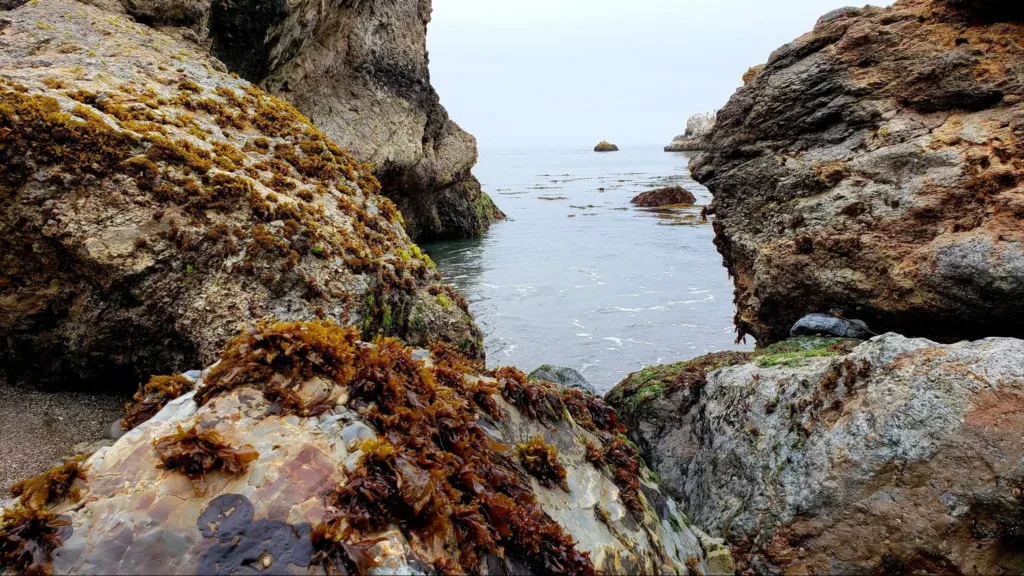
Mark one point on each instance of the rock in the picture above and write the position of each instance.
(568, 378)
(698, 129)
(359, 70)
(828, 325)
(606, 147)
(902, 454)
(153, 205)
(989, 9)
(664, 197)
(295, 502)
(873, 169)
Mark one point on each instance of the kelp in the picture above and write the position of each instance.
(622, 456)
(276, 358)
(435, 472)
(591, 412)
(195, 453)
(541, 460)
(152, 397)
(28, 537)
(51, 486)
(537, 400)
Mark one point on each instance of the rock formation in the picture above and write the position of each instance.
(359, 70)
(698, 129)
(664, 197)
(152, 205)
(901, 456)
(304, 450)
(604, 146)
(873, 167)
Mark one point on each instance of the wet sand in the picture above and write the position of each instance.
(38, 429)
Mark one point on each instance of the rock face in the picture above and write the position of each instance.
(874, 167)
(605, 147)
(664, 197)
(900, 456)
(152, 205)
(359, 70)
(320, 461)
(698, 129)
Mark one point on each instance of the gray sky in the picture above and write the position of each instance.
(572, 72)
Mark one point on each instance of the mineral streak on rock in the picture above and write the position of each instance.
(874, 167)
(152, 205)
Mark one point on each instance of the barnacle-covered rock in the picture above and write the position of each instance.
(358, 457)
(899, 456)
(152, 205)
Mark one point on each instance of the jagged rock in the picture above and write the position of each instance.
(874, 167)
(359, 70)
(152, 205)
(606, 147)
(323, 456)
(664, 197)
(901, 455)
(568, 378)
(698, 129)
(828, 325)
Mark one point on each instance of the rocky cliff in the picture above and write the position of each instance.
(873, 168)
(152, 205)
(698, 129)
(359, 71)
(304, 450)
(900, 456)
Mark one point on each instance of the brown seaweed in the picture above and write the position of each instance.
(195, 453)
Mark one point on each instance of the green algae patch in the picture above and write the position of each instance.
(791, 352)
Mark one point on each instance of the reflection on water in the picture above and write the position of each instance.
(578, 277)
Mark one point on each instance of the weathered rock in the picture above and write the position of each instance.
(605, 147)
(874, 167)
(698, 129)
(664, 197)
(287, 511)
(569, 378)
(900, 456)
(359, 70)
(152, 205)
(829, 325)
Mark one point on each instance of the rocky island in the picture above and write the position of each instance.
(603, 146)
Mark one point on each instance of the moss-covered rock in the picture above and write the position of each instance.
(152, 205)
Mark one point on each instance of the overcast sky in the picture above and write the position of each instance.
(572, 72)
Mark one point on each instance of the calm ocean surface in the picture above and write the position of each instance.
(578, 277)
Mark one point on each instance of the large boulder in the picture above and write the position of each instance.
(360, 71)
(873, 168)
(698, 129)
(668, 196)
(150, 205)
(901, 456)
(306, 451)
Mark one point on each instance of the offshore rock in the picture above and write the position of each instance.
(669, 196)
(698, 129)
(565, 377)
(152, 205)
(899, 456)
(605, 147)
(288, 510)
(874, 167)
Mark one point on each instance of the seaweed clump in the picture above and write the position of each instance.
(436, 473)
(540, 401)
(152, 397)
(622, 456)
(541, 460)
(50, 487)
(197, 452)
(28, 537)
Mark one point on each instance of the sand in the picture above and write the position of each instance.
(38, 429)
